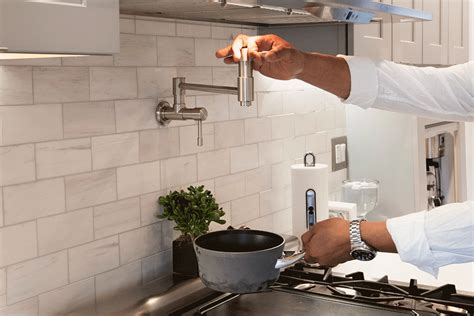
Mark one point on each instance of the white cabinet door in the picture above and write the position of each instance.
(435, 33)
(60, 26)
(458, 32)
(374, 39)
(407, 36)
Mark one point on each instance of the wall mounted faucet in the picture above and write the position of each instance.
(244, 91)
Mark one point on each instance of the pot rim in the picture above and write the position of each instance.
(240, 252)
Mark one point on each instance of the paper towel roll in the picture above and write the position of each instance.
(304, 178)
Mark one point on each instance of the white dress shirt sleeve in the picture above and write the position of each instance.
(442, 93)
(432, 239)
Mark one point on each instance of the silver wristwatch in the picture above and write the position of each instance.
(359, 249)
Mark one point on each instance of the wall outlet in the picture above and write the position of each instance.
(339, 153)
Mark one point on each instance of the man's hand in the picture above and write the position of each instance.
(327, 243)
(272, 56)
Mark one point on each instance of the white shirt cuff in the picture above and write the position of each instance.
(364, 81)
(408, 234)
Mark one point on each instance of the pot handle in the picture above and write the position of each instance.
(290, 260)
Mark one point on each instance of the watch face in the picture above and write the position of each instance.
(362, 254)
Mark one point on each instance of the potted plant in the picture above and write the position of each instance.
(192, 211)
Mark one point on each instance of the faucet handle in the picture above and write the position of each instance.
(200, 140)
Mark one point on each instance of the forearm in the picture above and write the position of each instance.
(327, 72)
(376, 235)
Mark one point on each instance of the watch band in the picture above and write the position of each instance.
(354, 231)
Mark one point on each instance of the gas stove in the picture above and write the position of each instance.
(305, 289)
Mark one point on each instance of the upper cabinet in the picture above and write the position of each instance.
(407, 36)
(435, 33)
(458, 31)
(59, 26)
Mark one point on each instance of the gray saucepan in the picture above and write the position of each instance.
(241, 261)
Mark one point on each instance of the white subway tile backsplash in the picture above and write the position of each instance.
(60, 158)
(213, 164)
(26, 308)
(272, 200)
(177, 171)
(258, 180)
(1, 207)
(24, 124)
(135, 115)
(16, 85)
(138, 179)
(283, 126)
(127, 26)
(225, 75)
(206, 50)
(140, 243)
(159, 144)
(88, 61)
(116, 217)
(270, 152)
(90, 189)
(201, 75)
(157, 266)
(44, 198)
(269, 103)
(261, 223)
(64, 231)
(50, 61)
(225, 31)
(75, 299)
(326, 120)
(93, 258)
(18, 243)
(294, 147)
(193, 29)
(88, 119)
(156, 82)
(156, 27)
(317, 143)
(3, 282)
(60, 84)
(258, 130)
(229, 134)
(17, 164)
(108, 83)
(282, 221)
(150, 208)
(238, 112)
(281, 175)
(217, 106)
(305, 123)
(243, 158)
(230, 187)
(188, 139)
(175, 51)
(245, 209)
(114, 150)
(30, 278)
(136, 50)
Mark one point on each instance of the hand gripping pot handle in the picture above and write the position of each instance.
(290, 260)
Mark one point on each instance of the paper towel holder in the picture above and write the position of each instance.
(313, 161)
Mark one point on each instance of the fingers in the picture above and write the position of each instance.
(224, 52)
(233, 49)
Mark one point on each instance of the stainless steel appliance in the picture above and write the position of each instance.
(307, 290)
(434, 151)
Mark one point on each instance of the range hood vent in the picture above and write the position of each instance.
(272, 12)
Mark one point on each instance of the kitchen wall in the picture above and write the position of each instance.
(82, 162)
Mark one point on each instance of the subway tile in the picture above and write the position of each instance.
(241, 112)
(17, 164)
(91, 61)
(30, 278)
(168, 234)
(213, 164)
(76, 299)
(24, 124)
(243, 158)
(88, 119)
(245, 209)
(340, 115)
(64, 231)
(60, 84)
(26, 308)
(155, 82)
(262, 223)
(138, 179)
(50, 61)
(193, 29)
(283, 126)
(140, 243)
(326, 120)
(272, 200)
(225, 75)
(257, 180)
(159, 143)
(206, 50)
(116, 217)
(270, 152)
(258, 130)
(294, 147)
(90, 189)
(107, 83)
(45, 198)
(223, 31)
(150, 208)
(16, 86)
(18, 243)
(317, 143)
(135, 115)
(281, 174)
(177, 171)
(305, 123)
(188, 139)
(153, 27)
(269, 103)
(201, 75)
(230, 187)
(3, 282)
(175, 51)
(157, 266)
(93, 258)
(1, 207)
(335, 180)
(114, 150)
(60, 158)
(136, 50)
(302, 101)
(217, 106)
(229, 134)
(127, 26)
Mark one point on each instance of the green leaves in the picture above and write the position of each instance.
(192, 211)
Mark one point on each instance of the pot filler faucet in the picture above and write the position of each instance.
(244, 91)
